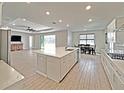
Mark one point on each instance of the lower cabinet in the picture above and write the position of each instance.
(113, 75)
(15, 47)
(55, 68)
(64, 67)
(41, 64)
(118, 84)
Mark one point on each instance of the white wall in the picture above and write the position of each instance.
(69, 36)
(25, 38)
(36, 41)
(99, 38)
(1, 4)
(0, 25)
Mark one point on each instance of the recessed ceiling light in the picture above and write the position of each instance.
(90, 20)
(67, 25)
(88, 7)
(47, 13)
(13, 24)
(60, 21)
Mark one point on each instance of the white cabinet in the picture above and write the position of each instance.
(56, 68)
(64, 67)
(107, 67)
(53, 68)
(41, 64)
(117, 82)
(113, 74)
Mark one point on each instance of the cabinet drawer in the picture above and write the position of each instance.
(41, 63)
(53, 68)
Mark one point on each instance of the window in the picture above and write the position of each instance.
(42, 41)
(48, 42)
(87, 39)
(30, 41)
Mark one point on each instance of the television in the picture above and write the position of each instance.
(15, 38)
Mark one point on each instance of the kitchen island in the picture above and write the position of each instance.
(56, 63)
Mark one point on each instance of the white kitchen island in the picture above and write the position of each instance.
(56, 63)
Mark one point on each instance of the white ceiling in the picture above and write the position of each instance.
(70, 13)
(23, 24)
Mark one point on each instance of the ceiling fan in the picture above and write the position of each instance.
(30, 29)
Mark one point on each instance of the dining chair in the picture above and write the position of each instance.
(94, 50)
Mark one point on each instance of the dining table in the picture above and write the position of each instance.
(87, 49)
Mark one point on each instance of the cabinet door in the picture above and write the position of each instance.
(64, 67)
(110, 70)
(68, 61)
(76, 56)
(12, 47)
(117, 82)
(41, 63)
(53, 68)
(102, 58)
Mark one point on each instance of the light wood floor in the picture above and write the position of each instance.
(88, 74)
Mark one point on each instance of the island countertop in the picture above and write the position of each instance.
(8, 75)
(57, 52)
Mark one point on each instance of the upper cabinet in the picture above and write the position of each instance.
(112, 26)
(116, 24)
(120, 22)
